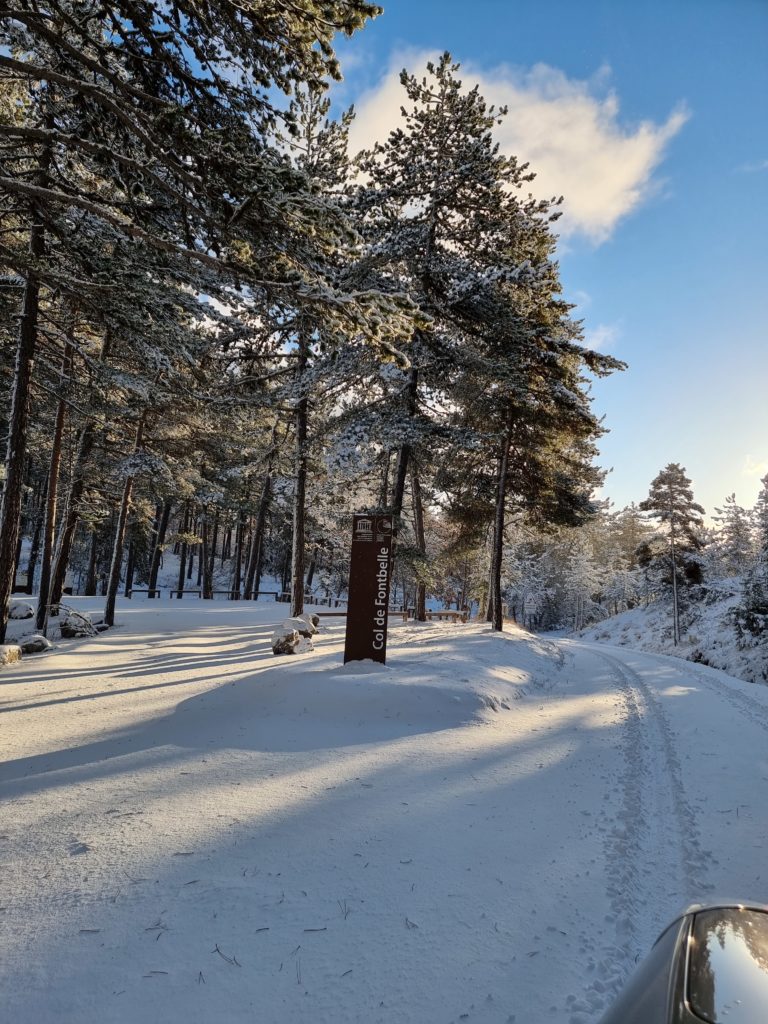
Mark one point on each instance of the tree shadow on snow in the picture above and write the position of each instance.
(281, 709)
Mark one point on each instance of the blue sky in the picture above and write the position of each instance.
(651, 120)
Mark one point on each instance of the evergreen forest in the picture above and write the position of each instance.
(223, 332)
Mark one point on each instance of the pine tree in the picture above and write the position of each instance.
(112, 161)
(734, 542)
(670, 500)
(751, 615)
(761, 519)
(444, 215)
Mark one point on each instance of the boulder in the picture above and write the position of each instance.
(302, 624)
(34, 644)
(9, 653)
(74, 624)
(20, 610)
(285, 641)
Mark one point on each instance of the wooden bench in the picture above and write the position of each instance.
(179, 593)
(150, 592)
(447, 615)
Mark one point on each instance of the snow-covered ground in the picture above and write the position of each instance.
(490, 828)
(708, 635)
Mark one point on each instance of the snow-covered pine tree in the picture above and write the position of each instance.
(670, 500)
(760, 516)
(752, 613)
(443, 214)
(173, 153)
(734, 542)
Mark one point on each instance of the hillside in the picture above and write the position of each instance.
(709, 635)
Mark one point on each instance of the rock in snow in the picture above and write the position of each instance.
(20, 610)
(285, 641)
(35, 644)
(303, 625)
(75, 624)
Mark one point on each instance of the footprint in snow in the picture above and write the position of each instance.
(77, 847)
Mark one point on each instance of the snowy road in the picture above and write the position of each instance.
(488, 829)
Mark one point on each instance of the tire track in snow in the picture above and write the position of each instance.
(652, 844)
(695, 860)
(756, 712)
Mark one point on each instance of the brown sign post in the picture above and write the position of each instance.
(369, 575)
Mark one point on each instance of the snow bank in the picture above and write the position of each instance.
(709, 636)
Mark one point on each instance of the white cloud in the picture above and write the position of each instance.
(755, 168)
(602, 338)
(754, 467)
(567, 130)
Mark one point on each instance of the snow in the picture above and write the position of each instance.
(20, 610)
(709, 636)
(488, 828)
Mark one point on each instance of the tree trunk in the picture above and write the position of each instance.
(201, 555)
(90, 579)
(420, 607)
(497, 611)
(259, 566)
(206, 563)
(72, 514)
(257, 541)
(312, 567)
(117, 548)
(23, 519)
(237, 567)
(44, 599)
(17, 558)
(34, 550)
(191, 559)
(286, 575)
(404, 452)
(675, 606)
(10, 507)
(300, 487)
(130, 568)
(157, 553)
(214, 539)
(183, 552)
(385, 481)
